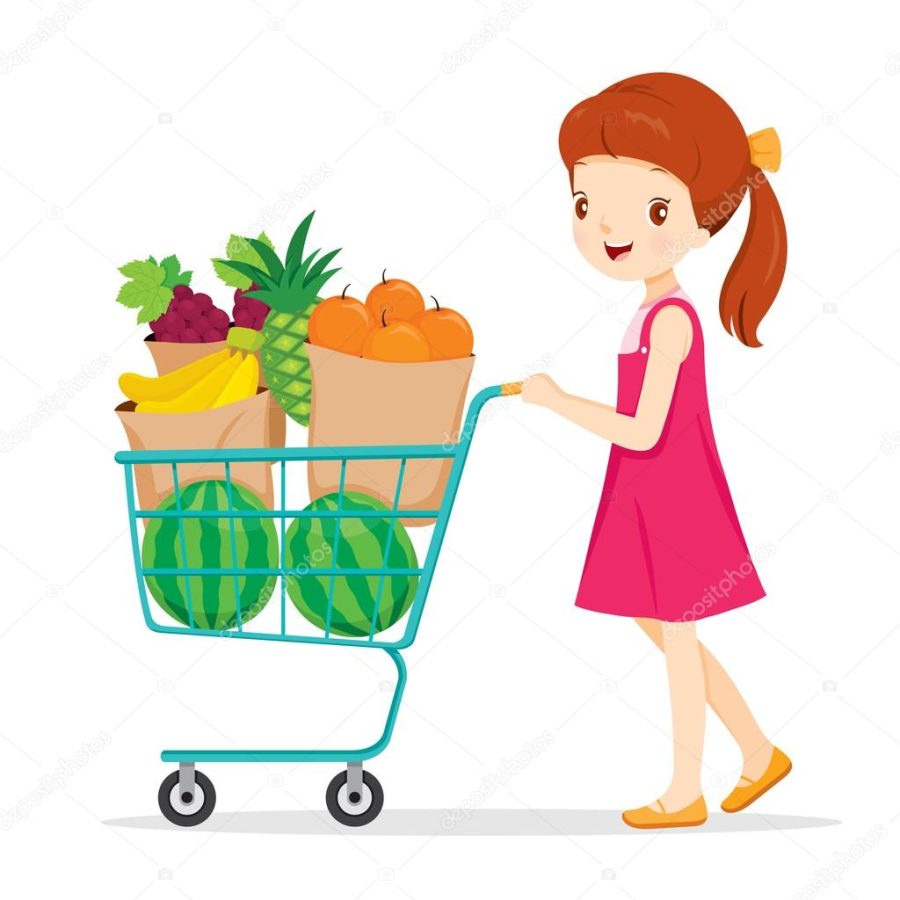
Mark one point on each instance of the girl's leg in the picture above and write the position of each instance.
(726, 702)
(687, 691)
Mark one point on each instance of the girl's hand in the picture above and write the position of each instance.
(542, 390)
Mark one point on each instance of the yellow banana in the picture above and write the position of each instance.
(242, 384)
(199, 396)
(167, 387)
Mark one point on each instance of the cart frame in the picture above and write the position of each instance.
(350, 791)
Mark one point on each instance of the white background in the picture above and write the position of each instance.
(425, 136)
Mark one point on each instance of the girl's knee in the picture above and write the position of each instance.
(680, 632)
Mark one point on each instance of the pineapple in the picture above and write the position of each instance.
(291, 289)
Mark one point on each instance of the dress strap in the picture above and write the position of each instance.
(661, 304)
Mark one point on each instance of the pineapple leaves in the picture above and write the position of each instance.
(320, 266)
(316, 284)
(295, 249)
(249, 272)
(229, 276)
(268, 256)
(290, 285)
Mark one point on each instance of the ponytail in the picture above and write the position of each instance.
(758, 269)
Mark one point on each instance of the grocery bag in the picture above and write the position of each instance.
(168, 356)
(359, 401)
(246, 423)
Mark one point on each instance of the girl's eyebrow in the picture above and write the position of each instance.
(657, 169)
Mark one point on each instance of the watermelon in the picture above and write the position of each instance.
(309, 544)
(208, 542)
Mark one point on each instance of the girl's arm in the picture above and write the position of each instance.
(670, 340)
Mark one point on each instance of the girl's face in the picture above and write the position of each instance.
(632, 220)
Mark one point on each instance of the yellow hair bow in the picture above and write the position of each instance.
(765, 149)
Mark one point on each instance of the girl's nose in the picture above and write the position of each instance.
(604, 228)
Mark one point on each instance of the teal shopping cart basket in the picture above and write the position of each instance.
(354, 797)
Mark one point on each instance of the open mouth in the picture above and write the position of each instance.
(618, 251)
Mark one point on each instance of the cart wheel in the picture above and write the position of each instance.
(187, 810)
(354, 810)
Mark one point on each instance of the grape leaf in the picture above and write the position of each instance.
(150, 299)
(143, 269)
(240, 250)
(145, 290)
(174, 275)
(172, 269)
(228, 276)
(155, 307)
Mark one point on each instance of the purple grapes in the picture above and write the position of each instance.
(248, 311)
(243, 318)
(218, 319)
(188, 309)
(204, 303)
(191, 319)
(172, 322)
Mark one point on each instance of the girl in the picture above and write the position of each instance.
(658, 164)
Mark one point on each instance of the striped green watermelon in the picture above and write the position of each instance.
(208, 543)
(362, 545)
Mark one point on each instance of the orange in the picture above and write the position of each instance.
(448, 333)
(340, 323)
(397, 298)
(396, 342)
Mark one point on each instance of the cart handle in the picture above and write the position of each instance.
(510, 388)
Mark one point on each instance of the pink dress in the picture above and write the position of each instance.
(666, 543)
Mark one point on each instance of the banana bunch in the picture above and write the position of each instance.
(228, 376)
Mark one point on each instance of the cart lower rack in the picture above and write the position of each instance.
(354, 797)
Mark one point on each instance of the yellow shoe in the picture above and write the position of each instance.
(648, 817)
(744, 794)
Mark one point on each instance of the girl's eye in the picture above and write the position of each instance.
(657, 211)
(581, 205)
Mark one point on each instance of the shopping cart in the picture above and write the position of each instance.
(354, 797)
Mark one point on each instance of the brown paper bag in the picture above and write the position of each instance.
(242, 424)
(364, 402)
(169, 356)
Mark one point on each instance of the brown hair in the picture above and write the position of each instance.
(686, 128)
